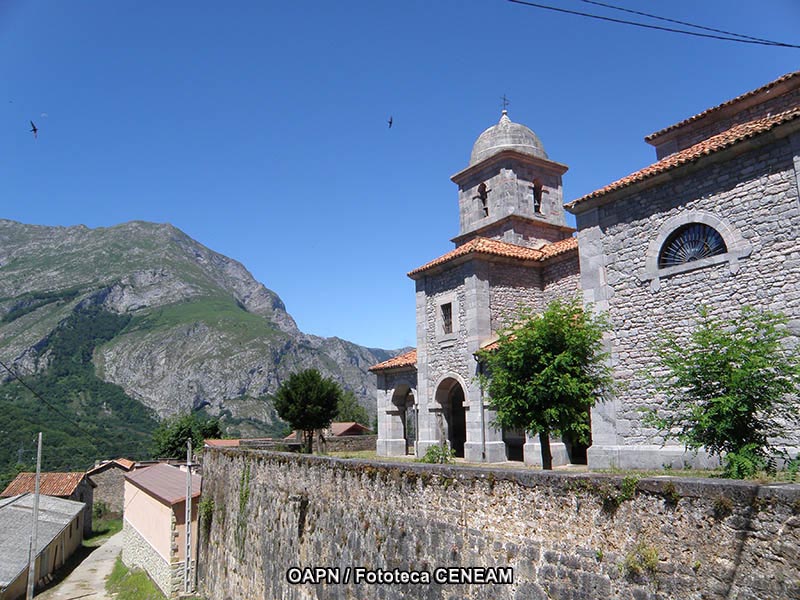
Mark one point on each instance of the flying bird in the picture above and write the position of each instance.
(390, 121)
(34, 130)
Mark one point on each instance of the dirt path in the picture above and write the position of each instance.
(88, 580)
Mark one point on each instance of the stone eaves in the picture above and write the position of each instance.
(544, 164)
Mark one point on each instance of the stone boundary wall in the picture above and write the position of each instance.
(138, 553)
(566, 536)
(350, 443)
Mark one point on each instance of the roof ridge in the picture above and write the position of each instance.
(718, 107)
(731, 136)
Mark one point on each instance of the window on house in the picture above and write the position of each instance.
(537, 196)
(447, 318)
(690, 242)
(483, 197)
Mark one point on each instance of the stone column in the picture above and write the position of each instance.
(391, 441)
(605, 441)
(533, 451)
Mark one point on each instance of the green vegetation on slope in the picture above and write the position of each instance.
(132, 585)
(110, 423)
(221, 312)
(33, 300)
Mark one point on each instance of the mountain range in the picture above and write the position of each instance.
(148, 310)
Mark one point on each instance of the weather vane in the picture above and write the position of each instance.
(505, 103)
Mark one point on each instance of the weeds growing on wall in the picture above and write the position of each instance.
(641, 561)
(240, 533)
(206, 514)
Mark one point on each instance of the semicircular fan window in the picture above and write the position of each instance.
(691, 242)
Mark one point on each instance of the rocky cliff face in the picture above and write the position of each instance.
(203, 333)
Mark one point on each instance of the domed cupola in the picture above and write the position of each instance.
(511, 190)
(506, 135)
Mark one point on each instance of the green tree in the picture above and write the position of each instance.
(547, 371)
(169, 438)
(730, 388)
(348, 409)
(308, 401)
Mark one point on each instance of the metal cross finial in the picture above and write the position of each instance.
(505, 103)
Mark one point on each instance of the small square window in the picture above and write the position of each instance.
(447, 318)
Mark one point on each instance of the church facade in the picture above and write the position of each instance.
(713, 222)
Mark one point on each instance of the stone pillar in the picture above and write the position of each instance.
(533, 451)
(595, 292)
(427, 433)
(391, 440)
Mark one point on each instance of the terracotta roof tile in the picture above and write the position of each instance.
(735, 134)
(560, 247)
(348, 428)
(123, 463)
(222, 443)
(50, 484)
(490, 247)
(408, 359)
(708, 111)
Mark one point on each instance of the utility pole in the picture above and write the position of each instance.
(35, 529)
(187, 568)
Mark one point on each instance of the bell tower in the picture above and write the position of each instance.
(511, 190)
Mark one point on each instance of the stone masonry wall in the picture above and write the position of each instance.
(755, 194)
(562, 279)
(137, 553)
(566, 536)
(446, 353)
(110, 488)
(511, 287)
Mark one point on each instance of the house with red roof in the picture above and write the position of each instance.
(69, 486)
(714, 221)
(109, 479)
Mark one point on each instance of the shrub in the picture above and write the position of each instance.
(440, 454)
(729, 388)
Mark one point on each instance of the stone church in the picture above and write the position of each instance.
(715, 221)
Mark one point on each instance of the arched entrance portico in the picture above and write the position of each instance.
(450, 396)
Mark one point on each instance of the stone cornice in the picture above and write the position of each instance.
(540, 163)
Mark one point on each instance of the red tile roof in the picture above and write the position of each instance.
(61, 485)
(719, 107)
(164, 482)
(734, 135)
(123, 463)
(348, 428)
(489, 247)
(408, 359)
(222, 443)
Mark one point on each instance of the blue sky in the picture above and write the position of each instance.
(259, 128)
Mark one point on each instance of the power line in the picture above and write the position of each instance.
(37, 395)
(740, 39)
(644, 14)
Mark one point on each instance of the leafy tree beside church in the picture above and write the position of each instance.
(546, 372)
(308, 401)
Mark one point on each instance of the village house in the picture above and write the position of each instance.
(70, 486)
(154, 524)
(109, 479)
(59, 534)
(714, 222)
